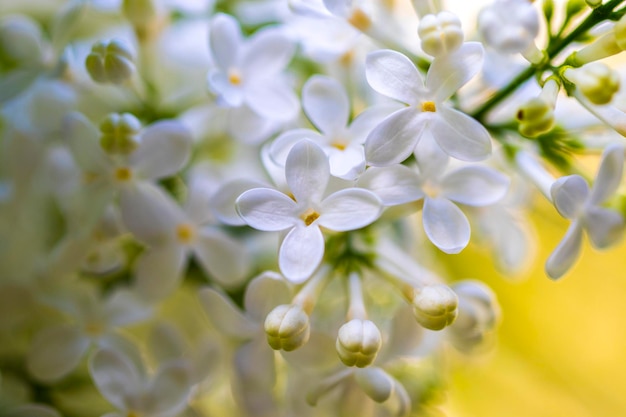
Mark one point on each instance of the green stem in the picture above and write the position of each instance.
(554, 48)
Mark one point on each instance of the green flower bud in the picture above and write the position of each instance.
(287, 327)
(441, 33)
(110, 62)
(535, 117)
(120, 133)
(435, 306)
(358, 343)
(596, 81)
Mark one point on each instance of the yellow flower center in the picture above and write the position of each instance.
(429, 106)
(309, 216)
(185, 233)
(339, 144)
(123, 174)
(360, 20)
(234, 76)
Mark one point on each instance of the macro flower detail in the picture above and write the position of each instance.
(509, 26)
(575, 201)
(394, 75)
(307, 172)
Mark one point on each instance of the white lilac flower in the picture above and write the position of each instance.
(575, 201)
(58, 349)
(250, 72)
(509, 26)
(307, 172)
(253, 360)
(327, 105)
(172, 234)
(394, 75)
(123, 383)
(445, 224)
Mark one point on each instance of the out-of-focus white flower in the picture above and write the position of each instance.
(394, 75)
(327, 105)
(110, 62)
(250, 72)
(307, 172)
(575, 201)
(441, 33)
(509, 26)
(123, 383)
(596, 81)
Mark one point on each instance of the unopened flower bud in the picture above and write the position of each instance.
(435, 306)
(140, 12)
(535, 117)
(596, 81)
(509, 26)
(120, 133)
(358, 343)
(287, 327)
(440, 33)
(110, 62)
(20, 42)
(375, 382)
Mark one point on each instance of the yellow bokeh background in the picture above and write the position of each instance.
(561, 345)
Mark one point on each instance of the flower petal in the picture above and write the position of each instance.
(280, 147)
(307, 171)
(222, 202)
(164, 149)
(158, 271)
(396, 184)
(349, 209)
(225, 39)
(267, 52)
(267, 209)
(474, 186)
(82, 137)
(395, 138)
(115, 376)
(301, 253)
(566, 253)
(273, 98)
(265, 292)
(326, 103)
(569, 194)
(449, 72)
(56, 351)
(604, 227)
(609, 175)
(255, 378)
(248, 127)
(228, 95)
(348, 163)
(225, 316)
(460, 136)
(169, 389)
(224, 258)
(394, 75)
(445, 225)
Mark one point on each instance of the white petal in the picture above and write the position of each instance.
(82, 137)
(445, 225)
(326, 103)
(222, 202)
(301, 252)
(115, 376)
(368, 119)
(225, 316)
(393, 140)
(164, 149)
(166, 342)
(349, 209)
(604, 227)
(460, 136)
(124, 307)
(225, 40)
(267, 209)
(394, 185)
(566, 253)
(450, 72)
(307, 171)
(431, 160)
(158, 271)
(394, 75)
(169, 390)
(475, 186)
(225, 259)
(267, 53)
(56, 351)
(609, 175)
(569, 195)
(265, 292)
(273, 98)
(149, 213)
(348, 163)
(255, 378)
(228, 94)
(280, 147)
(248, 127)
